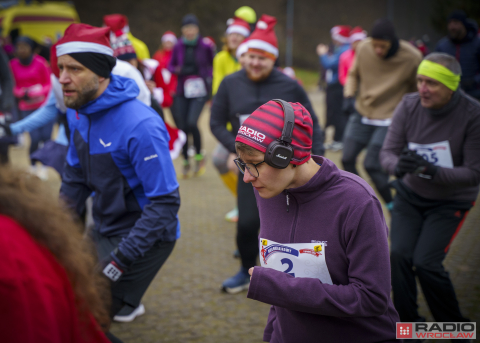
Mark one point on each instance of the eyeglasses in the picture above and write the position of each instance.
(251, 167)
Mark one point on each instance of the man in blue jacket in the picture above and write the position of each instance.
(463, 43)
(118, 151)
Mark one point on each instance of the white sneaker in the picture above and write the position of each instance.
(125, 318)
(336, 146)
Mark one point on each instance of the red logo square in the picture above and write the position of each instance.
(404, 330)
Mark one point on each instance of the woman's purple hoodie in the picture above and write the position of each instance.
(341, 210)
(203, 59)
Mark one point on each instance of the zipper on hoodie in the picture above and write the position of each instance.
(89, 162)
(292, 234)
(288, 202)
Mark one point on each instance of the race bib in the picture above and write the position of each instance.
(242, 118)
(437, 153)
(296, 259)
(194, 88)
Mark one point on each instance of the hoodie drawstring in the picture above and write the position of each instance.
(288, 202)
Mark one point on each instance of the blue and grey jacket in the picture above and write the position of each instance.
(119, 151)
(467, 53)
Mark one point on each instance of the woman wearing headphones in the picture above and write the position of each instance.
(325, 265)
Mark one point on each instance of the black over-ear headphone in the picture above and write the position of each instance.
(279, 153)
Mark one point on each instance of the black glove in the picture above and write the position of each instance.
(406, 164)
(413, 163)
(115, 265)
(424, 169)
(348, 105)
(6, 129)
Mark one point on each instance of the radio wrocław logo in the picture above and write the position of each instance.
(437, 330)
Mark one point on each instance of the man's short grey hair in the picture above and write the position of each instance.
(445, 60)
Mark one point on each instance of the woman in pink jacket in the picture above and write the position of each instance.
(32, 85)
(346, 59)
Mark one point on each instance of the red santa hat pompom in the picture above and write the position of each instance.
(263, 39)
(118, 23)
(357, 34)
(169, 36)
(238, 25)
(341, 33)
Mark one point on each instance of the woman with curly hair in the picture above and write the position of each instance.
(49, 288)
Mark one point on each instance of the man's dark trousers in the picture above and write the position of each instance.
(422, 232)
(134, 283)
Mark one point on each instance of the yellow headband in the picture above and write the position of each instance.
(440, 73)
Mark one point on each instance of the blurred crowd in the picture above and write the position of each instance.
(415, 113)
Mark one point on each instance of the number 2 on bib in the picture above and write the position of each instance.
(290, 266)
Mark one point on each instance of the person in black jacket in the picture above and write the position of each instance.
(238, 96)
(6, 101)
(463, 43)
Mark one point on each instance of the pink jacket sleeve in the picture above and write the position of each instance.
(343, 66)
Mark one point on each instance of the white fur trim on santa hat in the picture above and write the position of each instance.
(168, 37)
(74, 47)
(340, 38)
(238, 29)
(262, 45)
(357, 36)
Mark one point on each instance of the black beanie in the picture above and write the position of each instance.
(383, 29)
(189, 19)
(458, 15)
(100, 64)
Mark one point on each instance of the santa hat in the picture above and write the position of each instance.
(169, 36)
(88, 45)
(341, 33)
(263, 39)
(84, 38)
(118, 23)
(53, 61)
(357, 34)
(238, 25)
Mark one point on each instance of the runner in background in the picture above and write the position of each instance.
(7, 102)
(346, 58)
(149, 77)
(226, 63)
(314, 214)
(383, 71)
(334, 93)
(163, 57)
(192, 61)
(438, 179)
(345, 63)
(119, 25)
(32, 85)
(238, 96)
(463, 43)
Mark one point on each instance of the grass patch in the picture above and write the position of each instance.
(308, 77)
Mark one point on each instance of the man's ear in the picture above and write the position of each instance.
(101, 79)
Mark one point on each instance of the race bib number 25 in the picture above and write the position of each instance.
(296, 259)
